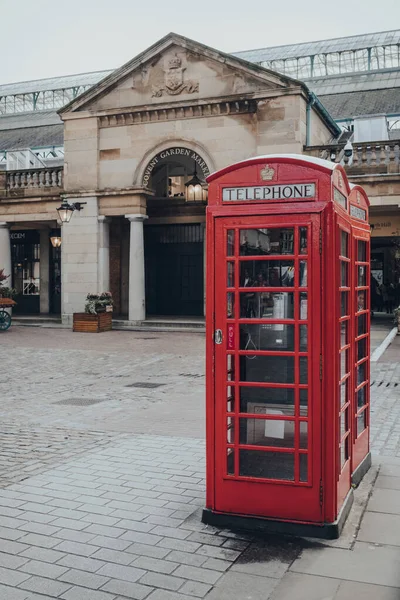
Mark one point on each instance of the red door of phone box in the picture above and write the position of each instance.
(287, 327)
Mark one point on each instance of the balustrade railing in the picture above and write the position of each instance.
(35, 178)
(384, 156)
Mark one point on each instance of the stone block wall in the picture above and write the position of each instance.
(80, 244)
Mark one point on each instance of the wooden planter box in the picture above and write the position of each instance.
(87, 323)
(7, 302)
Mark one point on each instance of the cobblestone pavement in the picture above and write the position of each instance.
(102, 482)
(53, 377)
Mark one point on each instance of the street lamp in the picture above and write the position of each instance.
(195, 189)
(66, 209)
(55, 239)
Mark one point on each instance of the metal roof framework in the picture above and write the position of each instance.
(337, 56)
(327, 58)
(45, 94)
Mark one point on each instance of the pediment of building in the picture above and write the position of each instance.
(174, 70)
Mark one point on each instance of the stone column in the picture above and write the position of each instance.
(5, 253)
(44, 271)
(137, 302)
(104, 254)
(79, 257)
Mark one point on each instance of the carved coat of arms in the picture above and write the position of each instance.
(174, 82)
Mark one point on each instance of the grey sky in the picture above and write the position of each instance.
(46, 38)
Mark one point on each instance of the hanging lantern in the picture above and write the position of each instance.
(55, 241)
(195, 189)
(66, 210)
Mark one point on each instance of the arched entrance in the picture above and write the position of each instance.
(174, 233)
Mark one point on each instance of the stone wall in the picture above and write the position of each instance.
(112, 157)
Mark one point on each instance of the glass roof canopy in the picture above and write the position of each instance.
(45, 94)
(356, 54)
(368, 52)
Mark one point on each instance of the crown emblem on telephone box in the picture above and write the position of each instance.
(267, 173)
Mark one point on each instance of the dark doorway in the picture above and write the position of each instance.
(174, 263)
(25, 256)
(55, 280)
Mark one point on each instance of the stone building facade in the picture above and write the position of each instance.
(135, 139)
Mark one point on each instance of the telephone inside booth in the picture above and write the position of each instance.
(277, 453)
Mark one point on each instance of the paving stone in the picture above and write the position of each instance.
(146, 550)
(40, 528)
(104, 530)
(390, 470)
(10, 561)
(185, 558)
(135, 525)
(7, 511)
(204, 538)
(155, 564)
(80, 578)
(160, 580)
(67, 513)
(133, 591)
(97, 500)
(44, 569)
(197, 574)
(144, 538)
(11, 522)
(35, 507)
(165, 521)
(380, 528)
(236, 545)
(385, 501)
(366, 564)
(11, 547)
(114, 556)
(60, 503)
(170, 532)
(216, 564)
(45, 586)
(194, 588)
(182, 545)
(34, 539)
(106, 520)
(241, 585)
(79, 593)
(9, 593)
(129, 515)
(73, 561)
(112, 543)
(69, 524)
(82, 537)
(115, 571)
(43, 554)
(296, 586)
(386, 482)
(37, 518)
(164, 595)
(10, 534)
(76, 548)
(350, 589)
(218, 552)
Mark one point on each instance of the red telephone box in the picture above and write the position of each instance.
(287, 345)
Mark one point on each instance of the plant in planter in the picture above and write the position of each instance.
(5, 292)
(97, 316)
(96, 303)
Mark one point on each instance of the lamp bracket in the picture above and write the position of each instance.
(78, 205)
